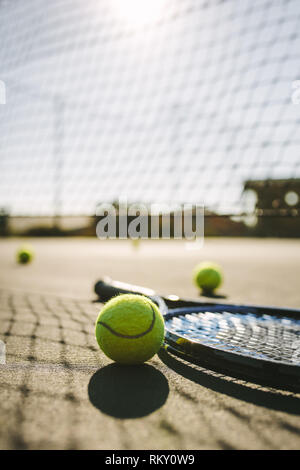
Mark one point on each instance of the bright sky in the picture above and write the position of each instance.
(139, 12)
(161, 101)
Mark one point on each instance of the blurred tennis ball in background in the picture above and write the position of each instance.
(208, 276)
(25, 255)
(130, 329)
(136, 243)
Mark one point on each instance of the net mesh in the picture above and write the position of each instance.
(185, 101)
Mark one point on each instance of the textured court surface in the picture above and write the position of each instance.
(59, 391)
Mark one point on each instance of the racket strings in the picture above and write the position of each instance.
(259, 336)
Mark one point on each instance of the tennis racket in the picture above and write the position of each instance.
(249, 341)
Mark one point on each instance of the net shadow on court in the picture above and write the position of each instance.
(48, 341)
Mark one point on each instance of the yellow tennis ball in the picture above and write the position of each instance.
(130, 329)
(208, 276)
(24, 255)
(136, 242)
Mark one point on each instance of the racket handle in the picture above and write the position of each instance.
(107, 288)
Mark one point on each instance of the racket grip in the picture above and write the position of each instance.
(106, 291)
(107, 288)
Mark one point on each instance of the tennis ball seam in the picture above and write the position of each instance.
(140, 335)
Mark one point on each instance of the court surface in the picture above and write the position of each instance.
(58, 391)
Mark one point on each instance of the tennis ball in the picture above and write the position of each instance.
(208, 276)
(130, 329)
(136, 242)
(24, 255)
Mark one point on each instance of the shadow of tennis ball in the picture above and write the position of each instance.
(128, 391)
